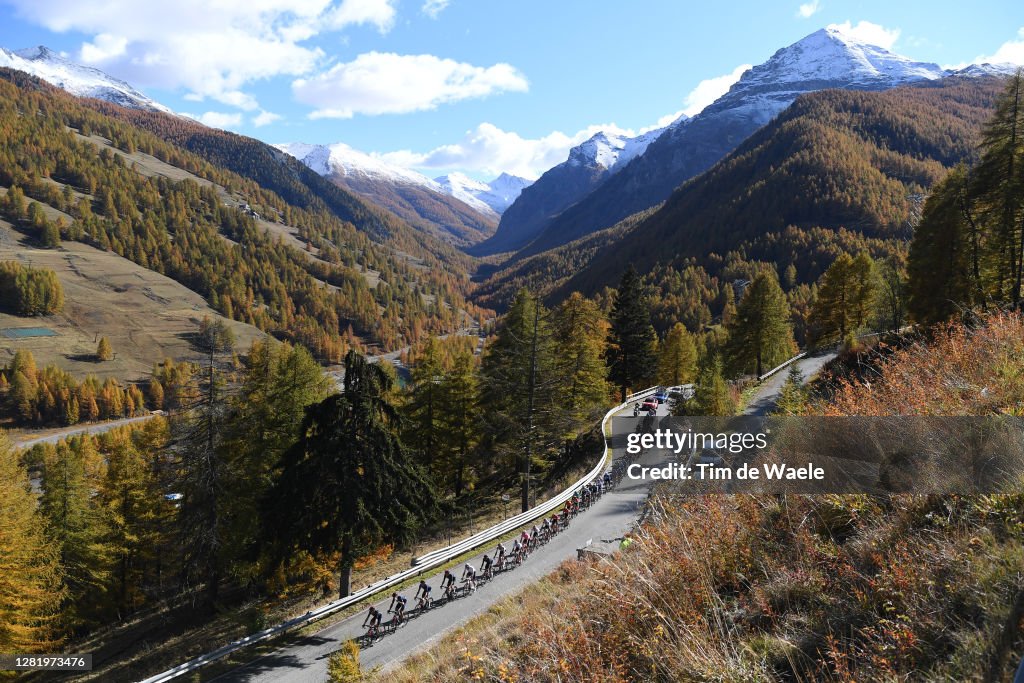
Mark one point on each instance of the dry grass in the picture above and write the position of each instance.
(145, 315)
(798, 588)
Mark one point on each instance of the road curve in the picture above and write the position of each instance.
(304, 660)
(764, 399)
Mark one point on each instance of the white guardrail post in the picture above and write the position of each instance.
(420, 565)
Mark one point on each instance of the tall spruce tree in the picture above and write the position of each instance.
(79, 527)
(519, 387)
(761, 335)
(968, 250)
(943, 266)
(203, 465)
(424, 412)
(845, 297)
(461, 426)
(630, 348)
(348, 485)
(998, 191)
(278, 382)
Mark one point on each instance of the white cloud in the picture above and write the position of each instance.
(432, 8)
(489, 150)
(808, 9)
(868, 32)
(103, 47)
(387, 83)
(265, 118)
(1010, 52)
(709, 90)
(218, 119)
(210, 49)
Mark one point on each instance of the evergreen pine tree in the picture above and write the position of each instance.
(461, 426)
(792, 395)
(349, 484)
(78, 526)
(677, 357)
(941, 265)
(761, 335)
(519, 386)
(712, 395)
(629, 351)
(580, 331)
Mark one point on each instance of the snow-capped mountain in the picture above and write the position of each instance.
(342, 160)
(986, 69)
(455, 208)
(589, 164)
(82, 81)
(825, 59)
(611, 150)
(493, 197)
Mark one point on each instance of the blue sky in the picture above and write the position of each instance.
(480, 86)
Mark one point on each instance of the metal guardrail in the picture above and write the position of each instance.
(771, 372)
(421, 564)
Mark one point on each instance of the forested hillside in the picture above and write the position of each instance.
(837, 171)
(208, 228)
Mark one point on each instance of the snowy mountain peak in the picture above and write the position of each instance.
(830, 55)
(81, 81)
(986, 69)
(827, 58)
(343, 161)
(612, 150)
(489, 198)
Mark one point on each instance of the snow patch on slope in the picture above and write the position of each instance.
(81, 81)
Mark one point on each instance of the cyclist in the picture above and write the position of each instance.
(372, 621)
(422, 600)
(398, 603)
(448, 584)
(469, 577)
(499, 556)
(534, 536)
(517, 552)
(607, 480)
(545, 529)
(485, 567)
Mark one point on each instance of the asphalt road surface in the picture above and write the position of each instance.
(27, 440)
(763, 402)
(305, 660)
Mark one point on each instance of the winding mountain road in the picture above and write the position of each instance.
(304, 659)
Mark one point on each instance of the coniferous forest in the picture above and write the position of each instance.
(246, 483)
